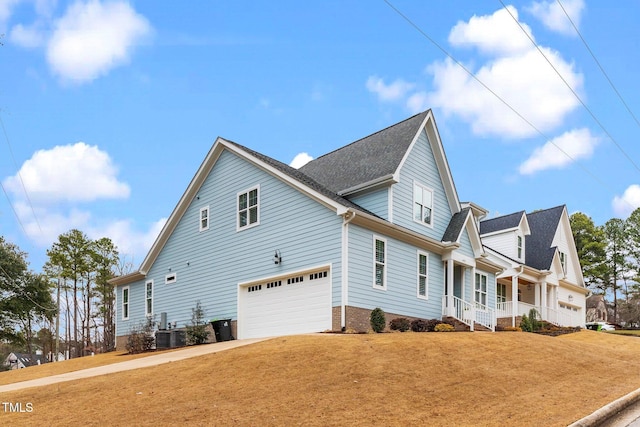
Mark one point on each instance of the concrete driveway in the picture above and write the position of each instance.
(143, 362)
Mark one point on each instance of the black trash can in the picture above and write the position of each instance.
(222, 330)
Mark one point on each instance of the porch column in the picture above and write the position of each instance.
(514, 299)
(450, 278)
(536, 295)
(543, 300)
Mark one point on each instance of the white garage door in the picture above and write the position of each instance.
(285, 306)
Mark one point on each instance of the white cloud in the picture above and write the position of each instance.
(494, 34)
(578, 144)
(127, 238)
(76, 172)
(554, 18)
(93, 37)
(525, 81)
(6, 9)
(624, 205)
(300, 160)
(391, 92)
(61, 179)
(515, 71)
(30, 37)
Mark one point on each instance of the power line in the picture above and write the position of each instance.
(477, 79)
(20, 292)
(586, 45)
(24, 188)
(593, 116)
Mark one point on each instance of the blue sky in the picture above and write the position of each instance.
(109, 107)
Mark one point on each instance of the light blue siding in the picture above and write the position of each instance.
(210, 264)
(375, 201)
(465, 244)
(400, 297)
(420, 167)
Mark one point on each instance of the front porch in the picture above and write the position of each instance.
(508, 314)
(517, 296)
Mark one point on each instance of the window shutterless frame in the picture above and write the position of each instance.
(423, 275)
(248, 208)
(379, 263)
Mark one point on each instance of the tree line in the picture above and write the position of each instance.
(610, 259)
(71, 296)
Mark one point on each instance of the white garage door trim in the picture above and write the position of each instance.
(295, 302)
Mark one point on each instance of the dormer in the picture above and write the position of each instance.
(507, 235)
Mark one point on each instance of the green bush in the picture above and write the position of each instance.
(401, 324)
(444, 327)
(377, 320)
(197, 332)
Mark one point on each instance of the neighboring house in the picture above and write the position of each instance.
(279, 250)
(597, 309)
(542, 269)
(22, 360)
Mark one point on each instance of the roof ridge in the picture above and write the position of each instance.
(504, 216)
(547, 209)
(370, 135)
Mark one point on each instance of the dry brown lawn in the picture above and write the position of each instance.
(461, 379)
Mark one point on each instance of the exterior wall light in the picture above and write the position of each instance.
(277, 258)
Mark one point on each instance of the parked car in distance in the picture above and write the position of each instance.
(600, 326)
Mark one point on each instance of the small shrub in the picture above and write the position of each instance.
(444, 327)
(401, 324)
(141, 338)
(534, 320)
(197, 332)
(525, 324)
(420, 325)
(377, 320)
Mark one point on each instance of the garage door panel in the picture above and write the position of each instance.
(302, 306)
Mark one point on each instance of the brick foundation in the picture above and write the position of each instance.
(358, 319)
(505, 322)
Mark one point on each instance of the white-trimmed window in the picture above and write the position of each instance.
(423, 275)
(148, 298)
(501, 293)
(248, 208)
(170, 278)
(422, 204)
(379, 263)
(125, 303)
(519, 247)
(480, 293)
(204, 218)
(563, 261)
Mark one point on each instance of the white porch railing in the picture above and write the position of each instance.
(557, 317)
(469, 313)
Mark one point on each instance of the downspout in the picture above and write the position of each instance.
(344, 295)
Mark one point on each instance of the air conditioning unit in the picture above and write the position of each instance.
(163, 340)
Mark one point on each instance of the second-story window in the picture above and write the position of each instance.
(248, 208)
(422, 204)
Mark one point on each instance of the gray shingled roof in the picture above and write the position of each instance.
(501, 223)
(543, 225)
(370, 158)
(301, 177)
(456, 225)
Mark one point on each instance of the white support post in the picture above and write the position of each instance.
(450, 278)
(514, 299)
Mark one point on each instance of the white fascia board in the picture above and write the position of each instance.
(524, 225)
(429, 126)
(126, 279)
(374, 184)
